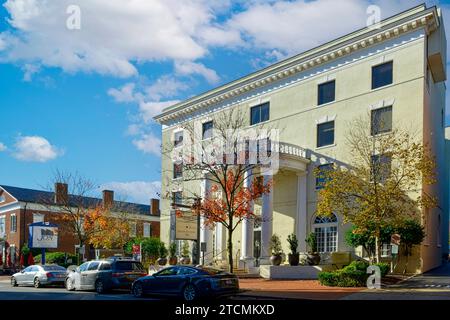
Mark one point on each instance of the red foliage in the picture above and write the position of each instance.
(235, 200)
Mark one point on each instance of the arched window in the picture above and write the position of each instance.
(325, 229)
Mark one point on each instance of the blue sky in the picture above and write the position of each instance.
(82, 100)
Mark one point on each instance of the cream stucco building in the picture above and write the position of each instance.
(396, 69)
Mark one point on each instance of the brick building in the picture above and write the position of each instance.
(19, 207)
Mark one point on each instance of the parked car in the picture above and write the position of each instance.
(189, 283)
(38, 276)
(104, 275)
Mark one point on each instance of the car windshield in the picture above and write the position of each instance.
(54, 268)
(129, 266)
(211, 271)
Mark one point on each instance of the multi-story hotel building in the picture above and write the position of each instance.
(396, 68)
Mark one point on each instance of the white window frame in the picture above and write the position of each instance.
(327, 226)
(147, 226)
(386, 249)
(11, 225)
(2, 234)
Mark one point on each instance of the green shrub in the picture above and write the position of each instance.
(358, 265)
(150, 247)
(353, 275)
(343, 278)
(57, 258)
(384, 268)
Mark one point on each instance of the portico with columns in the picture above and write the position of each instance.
(285, 206)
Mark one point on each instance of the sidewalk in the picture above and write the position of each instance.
(292, 289)
(432, 285)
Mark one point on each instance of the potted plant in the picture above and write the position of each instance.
(294, 256)
(313, 258)
(275, 248)
(185, 259)
(173, 259)
(162, 261)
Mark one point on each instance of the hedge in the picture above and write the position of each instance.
(57, 258)
(353, 275)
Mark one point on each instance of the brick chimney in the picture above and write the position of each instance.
(61, 193)
(154, 207)
(108, 198)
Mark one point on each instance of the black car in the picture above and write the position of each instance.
(189, 283)
(103, 275)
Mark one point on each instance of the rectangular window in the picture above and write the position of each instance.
(207, 130)
(325, 134)
(260, 113)
(321, 177)
(2, 226)
(177, 197)
(385, 250)
(381, 120)
(13, 219)
(133, 229)
(147, 230)
(381, 167)
(382, 75)
(38, 217)
(178, 137)
(177, 170)
(326, 239)
(326, 92)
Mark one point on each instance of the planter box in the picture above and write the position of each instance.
(289, 272)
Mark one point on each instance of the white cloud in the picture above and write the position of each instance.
(35, 149)
(135, 191)
(150, 109)
(189, 67)
(2, 147)
(148, 143)
(295, 26)
(124, 93)
(114, 35)
(29, 70)
(164, 87)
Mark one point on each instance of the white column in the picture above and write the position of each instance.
(205, 231)
(301, 221)
(247, 231)
(219, 241)
(266, 223)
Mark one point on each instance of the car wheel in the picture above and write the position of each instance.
(99, 286)
(70, 285)
(13, 282)
(37, 283)
(138, 292)
(190, 292)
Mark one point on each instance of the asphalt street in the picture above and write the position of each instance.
(7, 292)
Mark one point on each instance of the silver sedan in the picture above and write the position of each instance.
(39, 276)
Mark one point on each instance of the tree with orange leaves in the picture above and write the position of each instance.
(229, 202)
(229, 199)
(107, 230)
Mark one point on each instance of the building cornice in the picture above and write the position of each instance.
(390, 28)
